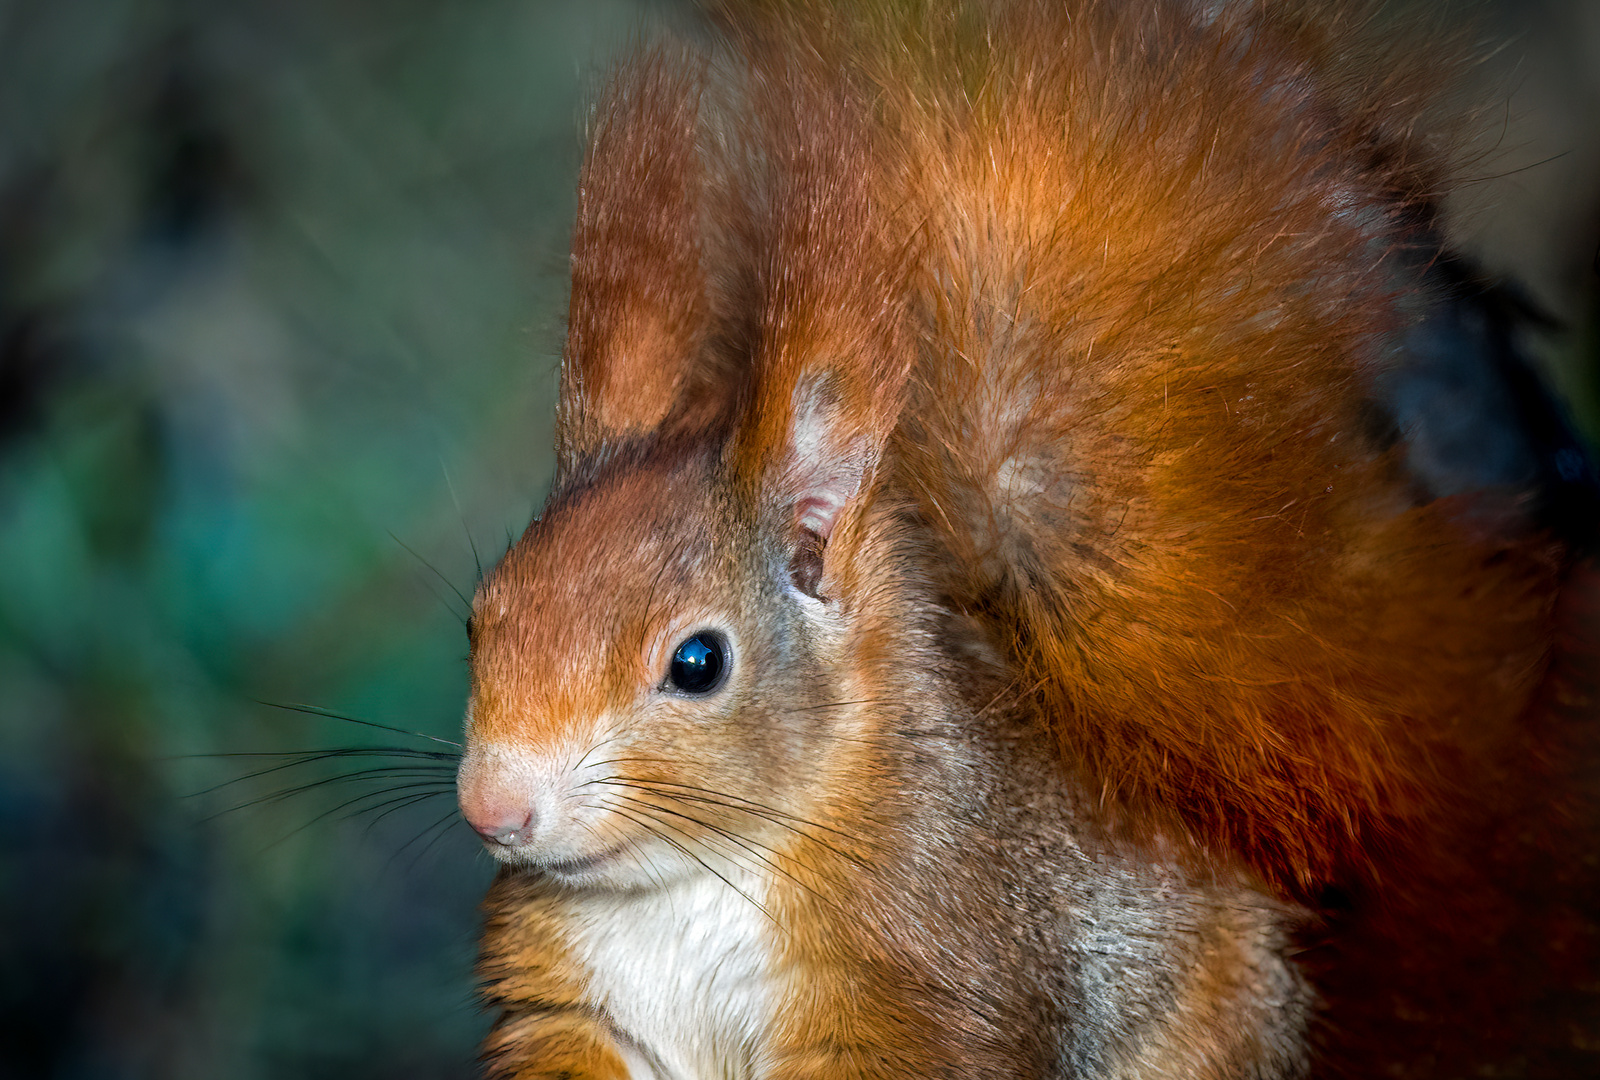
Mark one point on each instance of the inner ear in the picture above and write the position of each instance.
(805, 565)
(827, 461)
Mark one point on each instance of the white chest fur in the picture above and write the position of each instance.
(685, 974)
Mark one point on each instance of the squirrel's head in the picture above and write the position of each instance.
(636, 668)
(667, 662)
(664, 653)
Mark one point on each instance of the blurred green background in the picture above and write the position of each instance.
(280, 295)
(281, 284)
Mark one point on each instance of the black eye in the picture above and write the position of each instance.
(698, 664)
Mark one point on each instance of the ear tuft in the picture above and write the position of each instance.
(832, 347)
(640, 314)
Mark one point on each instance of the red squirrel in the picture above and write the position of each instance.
(1054, 570)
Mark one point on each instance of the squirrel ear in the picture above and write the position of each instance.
(827, 459)
(639, 315)
(832, 350)
(825, 465)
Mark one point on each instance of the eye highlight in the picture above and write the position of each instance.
(698, 663)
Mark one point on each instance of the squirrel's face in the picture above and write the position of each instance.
(645, 689)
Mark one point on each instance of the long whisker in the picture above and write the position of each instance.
(655, 811)
(592, 749)
(453, 817)
(434, 786)
(772, 817)
(313, 710)
(642, 856)
(843, 704)
(344, 805)
(395, 772)
(442, 825)
(648, 822)
(436, 573)
(649, 605)
(754, 851)
(311, 757)
(733, 802)
(753, 810)
(337, 751)
(400, 804)
(450, 486)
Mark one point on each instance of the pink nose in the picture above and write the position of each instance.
(507, 831)
(501, 820)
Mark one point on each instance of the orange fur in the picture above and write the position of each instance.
(547, 1031)
(998, 378)
(636, 282)
(1160, 264)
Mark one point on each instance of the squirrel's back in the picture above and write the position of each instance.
(1184, 316)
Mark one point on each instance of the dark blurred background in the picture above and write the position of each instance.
(280, 295)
